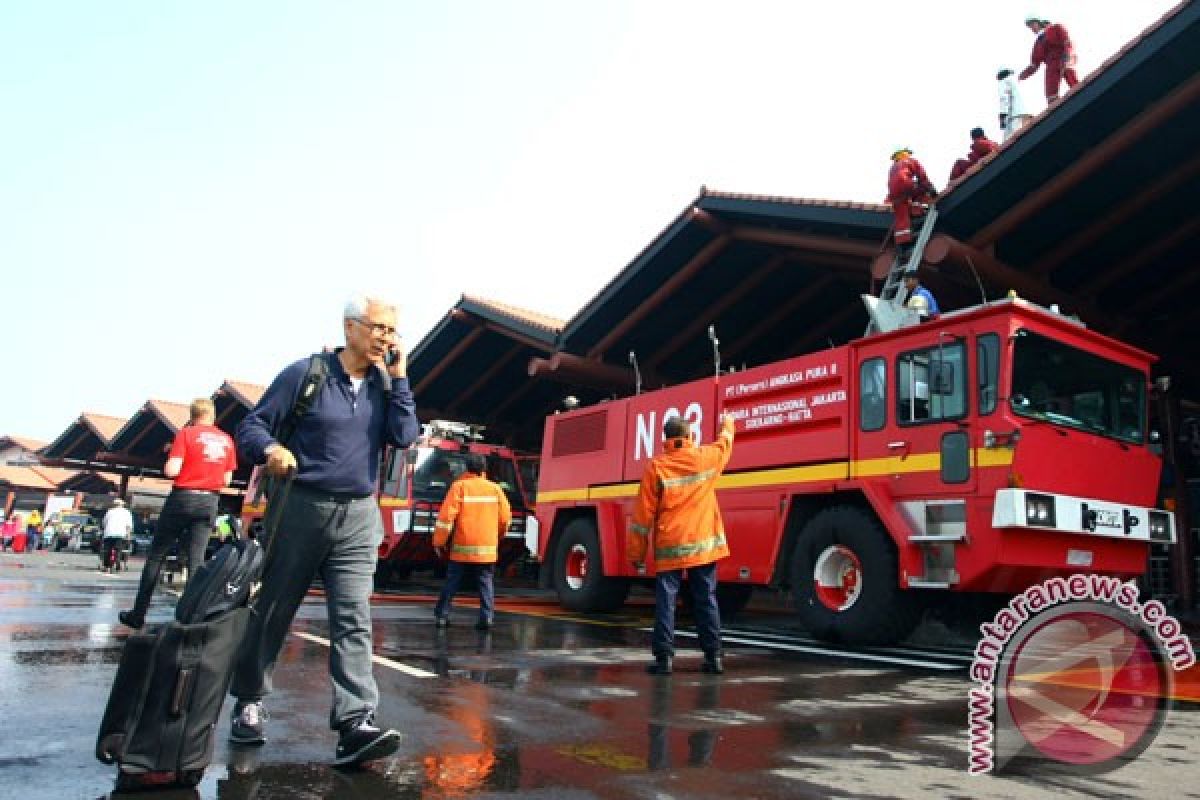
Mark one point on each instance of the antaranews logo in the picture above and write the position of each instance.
(1075, 672)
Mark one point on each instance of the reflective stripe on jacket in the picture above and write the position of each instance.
(477, 513)
(677, 505)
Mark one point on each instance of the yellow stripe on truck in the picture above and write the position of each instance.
(834, 471)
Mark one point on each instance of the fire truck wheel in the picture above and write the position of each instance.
(578, 576)
(844, 580)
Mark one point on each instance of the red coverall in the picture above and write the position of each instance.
(1054, 49)
(979, 149)
(907, 184)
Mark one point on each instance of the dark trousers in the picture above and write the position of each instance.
(338, 540)
(110, 551)
(484, 574)
(703, 580)
(187, 517)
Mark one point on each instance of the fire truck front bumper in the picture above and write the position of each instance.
(1045, 511)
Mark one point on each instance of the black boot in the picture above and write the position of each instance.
(661, 666)
(712, 664)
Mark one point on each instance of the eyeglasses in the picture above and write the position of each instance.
(377, 328)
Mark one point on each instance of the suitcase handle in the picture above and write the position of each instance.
(183, 685)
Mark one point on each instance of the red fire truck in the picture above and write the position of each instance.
(982, 451)
(414, 483)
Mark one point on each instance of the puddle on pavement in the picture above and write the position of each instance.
(64, 658)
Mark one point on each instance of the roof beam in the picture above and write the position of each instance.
(806, 241)
(694, 265)
(448, 359)
(571, 369)
(1150, 119)
(1144, 256)
(1069, 247)
(944, 249)
(710, 314)
(782, 312)
(485, 378)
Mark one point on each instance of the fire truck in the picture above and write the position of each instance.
(979, 452)
(414, 481)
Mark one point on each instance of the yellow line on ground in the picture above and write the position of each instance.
(416, 672)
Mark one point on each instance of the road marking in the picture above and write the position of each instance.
(928, 652)
(416, 672)
(828, 651)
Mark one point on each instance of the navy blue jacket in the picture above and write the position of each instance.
(337, 444)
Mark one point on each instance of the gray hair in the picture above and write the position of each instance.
(356, 306)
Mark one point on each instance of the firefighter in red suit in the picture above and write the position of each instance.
(1054, 49)
(909, 192)
(981, 148)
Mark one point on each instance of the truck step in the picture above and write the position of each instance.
(921, 583)
(920, 538)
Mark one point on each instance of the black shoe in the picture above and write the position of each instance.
(483, 625)
(712, 665)
(249, 723)
(365, 742)
(661, 666)
(131, 620)
(441, 622)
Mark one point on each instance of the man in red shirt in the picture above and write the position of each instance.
(909, 191)
(202, 460)
(981, 147)
(1053, 48)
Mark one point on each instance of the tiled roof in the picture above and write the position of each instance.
(24, 442)
(815, 202)
(247, 393)
(175, 414)
(543, 321)
(158, 485)
(103, 425)
(25, 477)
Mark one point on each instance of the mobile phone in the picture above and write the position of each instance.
(390, 356)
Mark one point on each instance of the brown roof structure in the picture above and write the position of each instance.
(89, 434)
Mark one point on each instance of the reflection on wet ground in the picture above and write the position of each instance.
(541, 707)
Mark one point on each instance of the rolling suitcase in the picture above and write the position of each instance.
(171, 682)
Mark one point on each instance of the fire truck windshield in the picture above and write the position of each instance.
(436, 469)
(1069, 387)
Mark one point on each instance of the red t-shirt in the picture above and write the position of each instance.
(207, 453)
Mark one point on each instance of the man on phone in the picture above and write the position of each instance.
(329, 523)
(202, 462)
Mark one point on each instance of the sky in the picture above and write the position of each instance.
(189, 192)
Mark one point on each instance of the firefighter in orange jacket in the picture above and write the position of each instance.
(1053, 48)
(981, 148)
(677, 509)
(474, 517)
(907, 185)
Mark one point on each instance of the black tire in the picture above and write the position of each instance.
(591, 590)
(881, 612)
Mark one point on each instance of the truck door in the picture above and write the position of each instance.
(917, 429)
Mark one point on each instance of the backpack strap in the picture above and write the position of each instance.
(310, 387)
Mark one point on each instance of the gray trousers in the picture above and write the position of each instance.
(337, 539)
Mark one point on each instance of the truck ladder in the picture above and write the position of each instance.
(893, 286)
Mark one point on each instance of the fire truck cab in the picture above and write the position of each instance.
(981, 451)
(415, 482)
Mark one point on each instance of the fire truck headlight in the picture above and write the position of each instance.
(1039, 510)
(1160, 526)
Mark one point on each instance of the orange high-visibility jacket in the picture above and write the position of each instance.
(477, 512)
(677, 504)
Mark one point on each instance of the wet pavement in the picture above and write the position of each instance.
(547, 705)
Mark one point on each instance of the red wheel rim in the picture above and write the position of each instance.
(576, 567)
(837, 577)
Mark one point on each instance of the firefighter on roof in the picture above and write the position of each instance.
(473, 519)
(981, 148)
(909, 192)
(1053, 48)
(677, 511)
